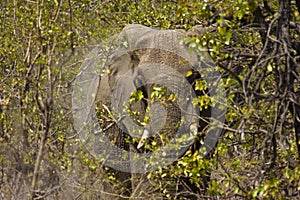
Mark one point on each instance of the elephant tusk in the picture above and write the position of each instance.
(143, 139)
(194, 129)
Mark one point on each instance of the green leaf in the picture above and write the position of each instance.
(188, 74)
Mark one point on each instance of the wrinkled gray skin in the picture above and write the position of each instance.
(119, 65)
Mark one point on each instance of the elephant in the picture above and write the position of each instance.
(145, 53)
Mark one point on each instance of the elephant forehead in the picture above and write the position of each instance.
(160, 56)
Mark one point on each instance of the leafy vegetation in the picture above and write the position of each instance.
(254, 43)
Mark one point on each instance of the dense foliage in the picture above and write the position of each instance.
(254, 43)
